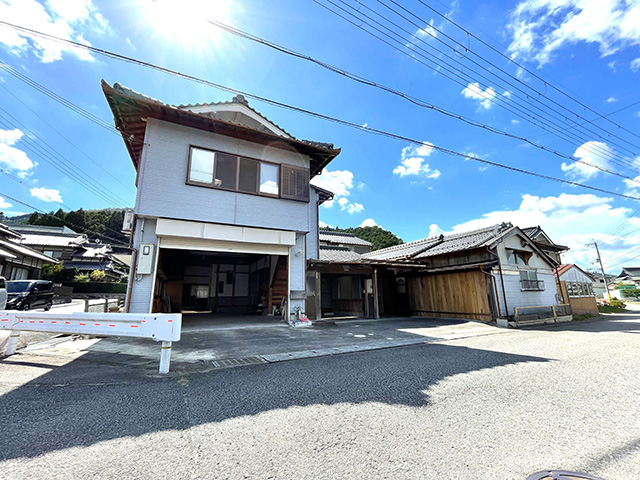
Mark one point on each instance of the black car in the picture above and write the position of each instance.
(27, 294)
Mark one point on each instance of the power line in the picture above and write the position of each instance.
(498, 99)
(135, 61)
(4, 195)
(66, 138)
(340, 121)
(415, 100)
(47, 154)
(519, 65)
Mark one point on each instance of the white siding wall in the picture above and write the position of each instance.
(163, 192)
(312, 236)
(575, 275)
(142, 285)
(517, 298)
(511, 275)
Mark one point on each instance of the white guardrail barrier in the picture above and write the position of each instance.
(161, 327)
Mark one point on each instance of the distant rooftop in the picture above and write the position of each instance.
(338, 238)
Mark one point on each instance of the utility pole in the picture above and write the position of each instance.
(604, 276)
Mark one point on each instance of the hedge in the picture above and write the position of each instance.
(95, 287)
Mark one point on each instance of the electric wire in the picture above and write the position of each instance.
(345, 122)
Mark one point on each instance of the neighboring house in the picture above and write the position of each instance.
(346, 283)
(485, 274)
(225, 216)
(599, 288)
(628, 279)
(577, 289)
(18, 261)
(97, 256)
(544, 243)
(56, 242)
(329, 238)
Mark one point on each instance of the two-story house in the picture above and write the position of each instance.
(225, 216)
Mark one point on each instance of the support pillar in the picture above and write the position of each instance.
(12, 343)
(376, 307)
(165, 357)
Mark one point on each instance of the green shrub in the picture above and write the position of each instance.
(97, 276)
(615, 303)
(57, 273)
(81, 278)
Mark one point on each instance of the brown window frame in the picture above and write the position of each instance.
(236, 189)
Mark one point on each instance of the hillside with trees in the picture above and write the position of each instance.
(380, 237)
(104, 225)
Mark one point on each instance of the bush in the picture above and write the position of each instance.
(97, 276)
(615, 303)
(57, 273)
(631, 292)
(82, 278)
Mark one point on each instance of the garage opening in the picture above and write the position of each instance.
(220, 283)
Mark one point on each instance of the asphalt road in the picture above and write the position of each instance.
(487, 407)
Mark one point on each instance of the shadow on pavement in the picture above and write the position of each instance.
(80, 404)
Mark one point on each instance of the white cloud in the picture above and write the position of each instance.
(69, 19)
(632, 187)
(412, 161)
(483, 97)
(569, 220)
(515, 122)
(369, 222)
(434, 230)
(595, 153)
(428, 31)
(540, 27)
(355, 207)
(321, 224)
(46, 194)
(635, 64)
(340, 182)
(343, 202)
(612, 100)
(637, 114)
(4, 204)
(11, 157)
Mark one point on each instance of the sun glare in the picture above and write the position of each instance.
(186, 22)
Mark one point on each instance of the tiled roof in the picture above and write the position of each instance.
(338, 254)
(27, 251)
(342, 237)
(403, 250)
(560, 269)
(630, 272)
(62, 240)
(432, 246)
(6, 231)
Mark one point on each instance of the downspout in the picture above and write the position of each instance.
(504, 292)
(132, 268)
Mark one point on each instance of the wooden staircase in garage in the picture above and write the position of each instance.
(279, 283)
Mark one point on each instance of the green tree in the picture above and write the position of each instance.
(58, 274)
(33, 218)
(379, 237)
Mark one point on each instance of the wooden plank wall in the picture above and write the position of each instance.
(453, 295)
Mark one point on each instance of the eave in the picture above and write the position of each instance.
(131, 113)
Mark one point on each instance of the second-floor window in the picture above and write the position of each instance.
(242, 174)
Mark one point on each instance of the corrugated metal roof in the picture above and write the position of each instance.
(338, 254)
(342, 237)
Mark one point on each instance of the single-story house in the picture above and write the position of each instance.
(576, 286)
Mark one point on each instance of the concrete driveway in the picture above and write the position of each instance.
(228, 342)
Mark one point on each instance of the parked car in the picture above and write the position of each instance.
(28, 294)
(3, 293)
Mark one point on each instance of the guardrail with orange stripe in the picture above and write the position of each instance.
(161, 327)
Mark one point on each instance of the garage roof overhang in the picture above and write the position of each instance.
(131, 110)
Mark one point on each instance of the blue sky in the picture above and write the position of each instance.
(588, 49)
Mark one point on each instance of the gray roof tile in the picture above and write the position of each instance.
(338, 254)
(342, 237)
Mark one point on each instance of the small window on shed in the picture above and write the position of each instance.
(295, 183)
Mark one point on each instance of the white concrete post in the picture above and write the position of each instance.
(12, 343)
(165, 357)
